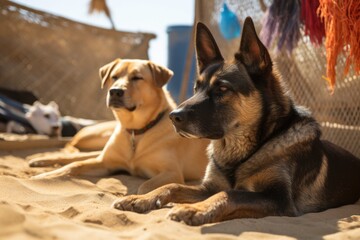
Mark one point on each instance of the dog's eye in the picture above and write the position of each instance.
(114, 78)
(135, 78)
(47, 116)
(223, 88)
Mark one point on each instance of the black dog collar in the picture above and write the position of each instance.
(148, 126)
(151, 124)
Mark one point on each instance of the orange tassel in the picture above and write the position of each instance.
(342, 30)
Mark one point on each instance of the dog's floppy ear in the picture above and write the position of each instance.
(207, 51)
(105, 71)
(160, 74)
(252, 52)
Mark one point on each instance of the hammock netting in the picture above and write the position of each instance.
(58, 59)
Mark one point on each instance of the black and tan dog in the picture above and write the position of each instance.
(266, 156)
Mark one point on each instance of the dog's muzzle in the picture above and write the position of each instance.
(55, 131)
(115, 97)
(186, 125)
(179, 118)
(116, 93)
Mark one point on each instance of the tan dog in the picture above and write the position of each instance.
(144, 142)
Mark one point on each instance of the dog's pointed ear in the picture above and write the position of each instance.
(207, 51)
(105, 71)
(252, 52)
(160, 74)
(37, 104)
(54, 105)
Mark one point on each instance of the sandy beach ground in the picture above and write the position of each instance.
(79, 208)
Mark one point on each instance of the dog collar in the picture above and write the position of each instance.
(151, 124)
(148, 126)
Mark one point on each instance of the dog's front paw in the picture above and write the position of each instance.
(193, 214)
(137, 203)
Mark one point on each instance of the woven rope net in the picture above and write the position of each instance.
(58, 59)
(338, 114)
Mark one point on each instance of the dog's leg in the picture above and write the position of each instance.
(160, 180)
(228, 205)
(89, 167)
(61, 158)
(176, 193)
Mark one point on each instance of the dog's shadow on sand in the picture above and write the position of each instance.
(309, 226)
(119, 184)
(125, 184)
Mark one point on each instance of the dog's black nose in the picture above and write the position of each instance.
(178, 116)
(116, 92)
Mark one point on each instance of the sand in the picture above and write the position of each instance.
(79, 208)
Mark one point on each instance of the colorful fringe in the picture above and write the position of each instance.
(313, 26)
(342, 27)
(282, 23)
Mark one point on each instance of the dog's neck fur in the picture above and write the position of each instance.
(241, 143)
(227, 149)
